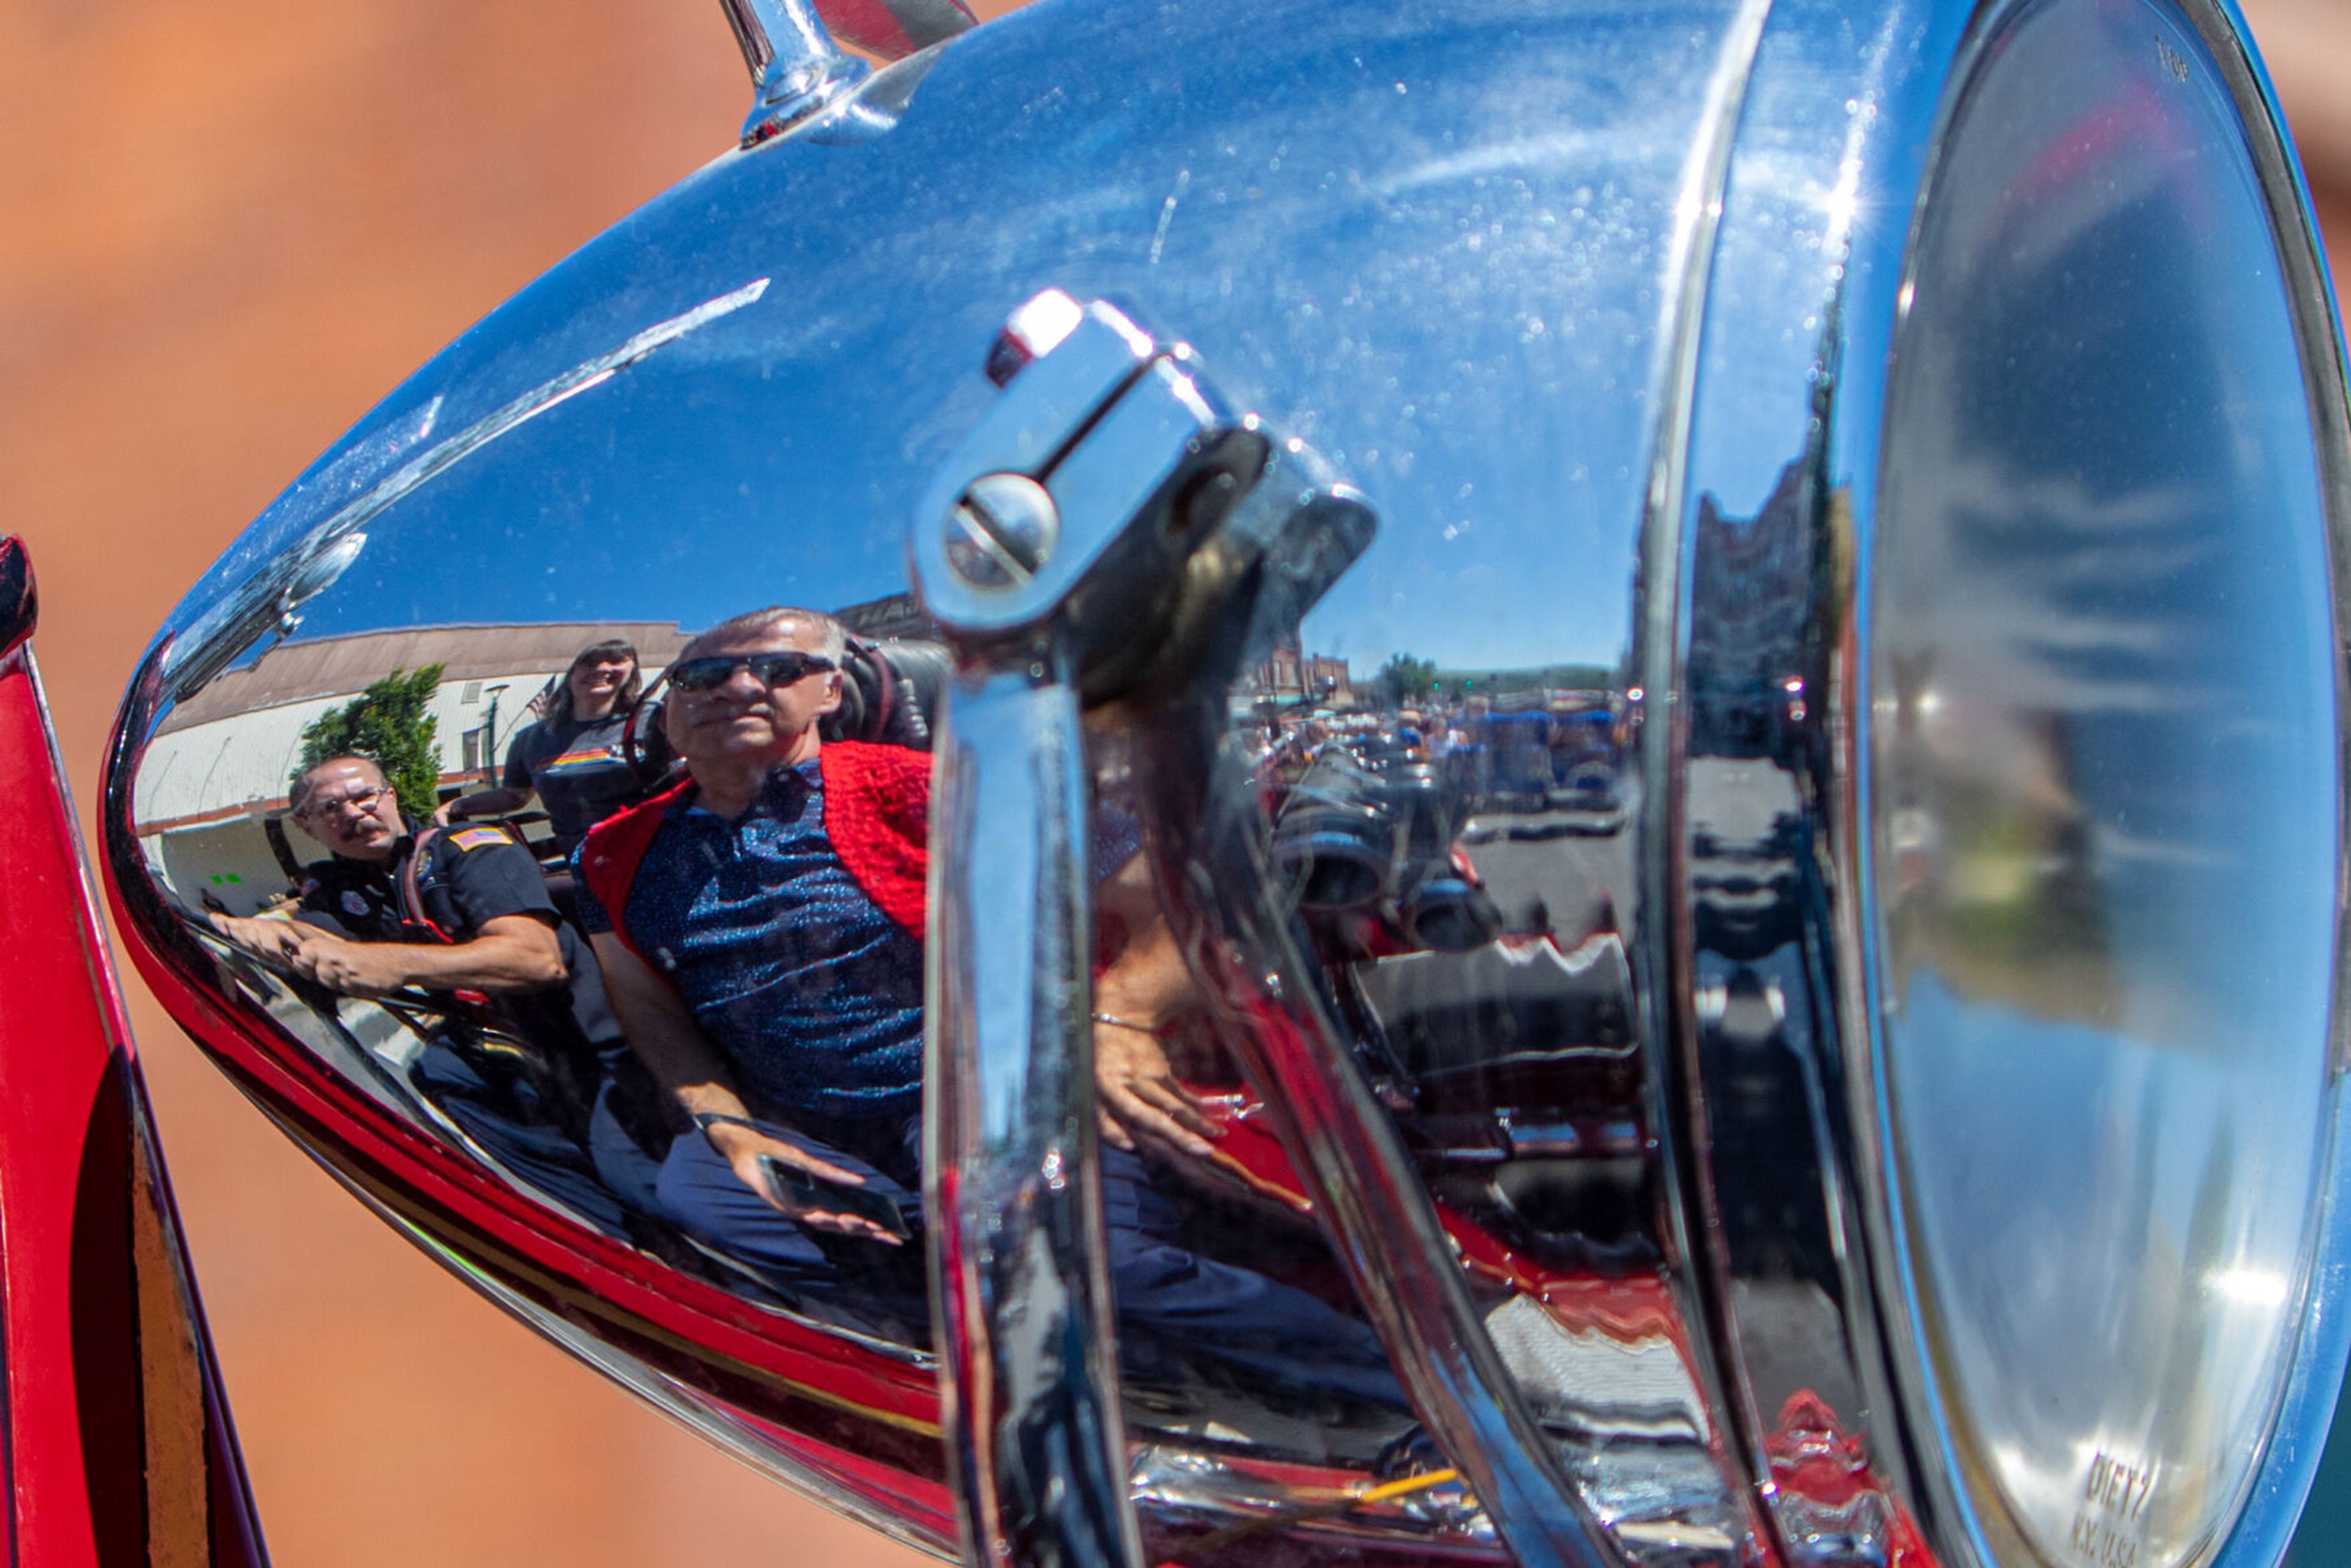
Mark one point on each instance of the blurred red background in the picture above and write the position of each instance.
(231, 226)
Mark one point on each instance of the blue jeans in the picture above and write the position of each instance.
(1158, 1284)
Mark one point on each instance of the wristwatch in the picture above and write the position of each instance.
(705, 1120)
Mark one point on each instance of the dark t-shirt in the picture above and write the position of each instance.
(471, 877)
(580, 770)
(1520, 742)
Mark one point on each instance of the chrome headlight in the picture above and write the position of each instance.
(1709, 634)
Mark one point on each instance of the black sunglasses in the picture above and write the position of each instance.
(709, 673)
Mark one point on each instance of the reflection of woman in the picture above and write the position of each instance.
(572, 760)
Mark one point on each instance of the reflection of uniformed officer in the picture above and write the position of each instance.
(463, 918)
(478, 920)
(465, 879)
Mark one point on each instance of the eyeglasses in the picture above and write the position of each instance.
(706, 675)
(360, 802)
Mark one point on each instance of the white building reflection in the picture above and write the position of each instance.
(210, 797)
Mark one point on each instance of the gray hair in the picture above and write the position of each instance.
(305, 783)
(833, 637)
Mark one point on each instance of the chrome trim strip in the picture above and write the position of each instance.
(1028, 1366)
(1658, 940)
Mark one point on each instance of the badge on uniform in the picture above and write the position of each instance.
(474, 838)
(356, 904)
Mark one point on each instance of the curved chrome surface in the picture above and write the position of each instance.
(1758, 527)
(1538, 858)
(1028, 1375)
(796, 68)
(1786, 693)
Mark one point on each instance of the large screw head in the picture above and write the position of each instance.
(1002, 532)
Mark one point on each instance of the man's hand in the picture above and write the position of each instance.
(1140, 1100)
(743, 1147)
(1145, 986)
(352, 969)
(264, 936)
(664, 1034)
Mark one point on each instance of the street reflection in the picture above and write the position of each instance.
(633, 917)
(649, 949)
(1454, 845)
(1767, 637)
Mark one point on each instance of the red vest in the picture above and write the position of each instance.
(877, 814)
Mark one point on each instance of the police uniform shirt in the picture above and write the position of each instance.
(471, 877)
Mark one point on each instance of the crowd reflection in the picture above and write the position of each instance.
(454, 932)
(666, 975)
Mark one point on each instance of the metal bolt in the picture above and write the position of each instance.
(1002, 532)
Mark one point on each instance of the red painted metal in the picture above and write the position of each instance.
(117, 1444)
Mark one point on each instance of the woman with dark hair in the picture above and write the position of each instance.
(573, 759)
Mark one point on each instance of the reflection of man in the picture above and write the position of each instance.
(483, 921)
(758, 928)
(467, 912)
(761, 930)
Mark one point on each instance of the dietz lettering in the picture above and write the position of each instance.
(2111, 1524)
(2118, 1487)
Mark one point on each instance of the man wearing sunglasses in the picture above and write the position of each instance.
(760, 929)
(761, 926)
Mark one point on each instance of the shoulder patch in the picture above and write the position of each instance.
(477, 838)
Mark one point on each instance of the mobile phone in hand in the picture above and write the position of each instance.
(799, 1189)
